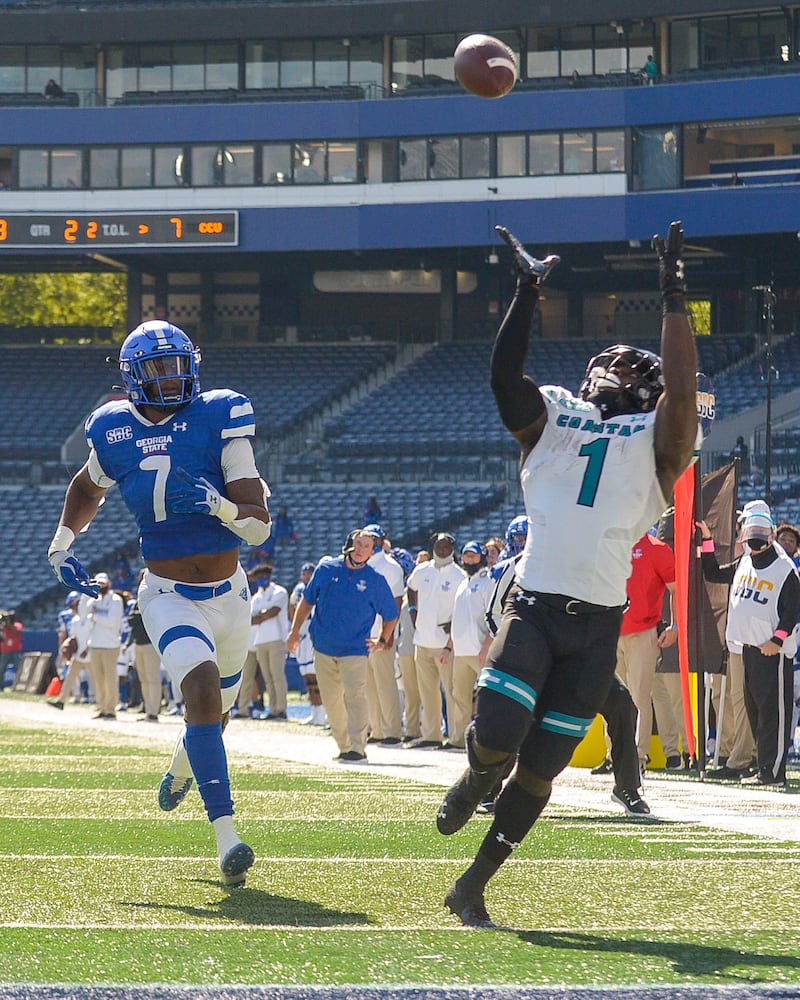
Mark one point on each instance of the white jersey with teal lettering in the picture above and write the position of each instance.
(590, 491)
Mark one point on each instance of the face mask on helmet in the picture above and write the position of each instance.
(621, 380)
(516, 535)
(159, 366)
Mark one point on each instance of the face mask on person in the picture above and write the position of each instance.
(263, 581)
(471, 568)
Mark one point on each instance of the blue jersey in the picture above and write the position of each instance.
(140, 457)
(345, 604)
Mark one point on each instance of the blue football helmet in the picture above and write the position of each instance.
(159, 365)
(516, 535)
(406, 560)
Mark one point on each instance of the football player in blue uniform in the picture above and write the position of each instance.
(183, 461)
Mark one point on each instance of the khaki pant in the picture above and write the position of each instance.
(737, 736)
(343, 686)
(148, 667)
(408, 678)
(249, 669)
(103, 667)
(383, 696)
(71, 677)
(429, 677)
(271, 658)
(668, 708)
(637, 656)
(465, 674)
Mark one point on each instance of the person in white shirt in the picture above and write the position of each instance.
(106, 612)
(75, 647)
(431, 593)
(269, 612)
(383, 694)
(468, 634)
(304, 654)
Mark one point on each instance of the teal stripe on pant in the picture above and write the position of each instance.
(511, 687)
(566, 725)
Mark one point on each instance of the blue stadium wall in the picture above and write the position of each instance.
(442, 216)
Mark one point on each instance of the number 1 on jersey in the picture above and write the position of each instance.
(595, 451)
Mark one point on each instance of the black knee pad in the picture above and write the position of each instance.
(500, 723)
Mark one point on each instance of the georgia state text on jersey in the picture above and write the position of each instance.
(140, 457)
(591, 491)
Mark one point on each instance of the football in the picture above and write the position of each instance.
(485, 66)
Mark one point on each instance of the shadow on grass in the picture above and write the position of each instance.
(685, 957)
(263, 909)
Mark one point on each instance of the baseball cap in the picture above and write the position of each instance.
(374, 531)
(308, 567)
(102, 578)
(472, 546)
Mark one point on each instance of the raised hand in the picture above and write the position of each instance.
(670, 265)
(528, 267)
(72, 573)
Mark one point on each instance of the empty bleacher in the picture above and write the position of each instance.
(744, 385)
(426, 441)
(28, 518)
(441, 405)
(48, 390)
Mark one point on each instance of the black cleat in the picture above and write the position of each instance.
(605, 768)
(465, 900)
(460, 803)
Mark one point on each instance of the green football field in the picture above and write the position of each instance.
(98, 886)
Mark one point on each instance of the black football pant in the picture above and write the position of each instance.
(621, 716)
(768, 685)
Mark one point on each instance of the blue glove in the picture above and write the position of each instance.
(71, 573)
(193, 496)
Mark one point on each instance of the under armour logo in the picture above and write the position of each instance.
(502, 839)
(361, 586)
(530, 600)
(179, 425)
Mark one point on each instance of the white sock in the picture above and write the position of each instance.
(227, 837)
(179, 766)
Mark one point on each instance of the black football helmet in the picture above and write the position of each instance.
(623, 379)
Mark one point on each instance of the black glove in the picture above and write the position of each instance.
(530, 271)
(670, 265)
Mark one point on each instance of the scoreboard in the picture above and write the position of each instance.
(87, 230)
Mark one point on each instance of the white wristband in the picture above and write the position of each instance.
(62, 539)
(228, 510)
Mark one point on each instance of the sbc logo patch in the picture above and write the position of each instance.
(117, 434)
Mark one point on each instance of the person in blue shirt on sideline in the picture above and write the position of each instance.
(346, 594)
(183, 461)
